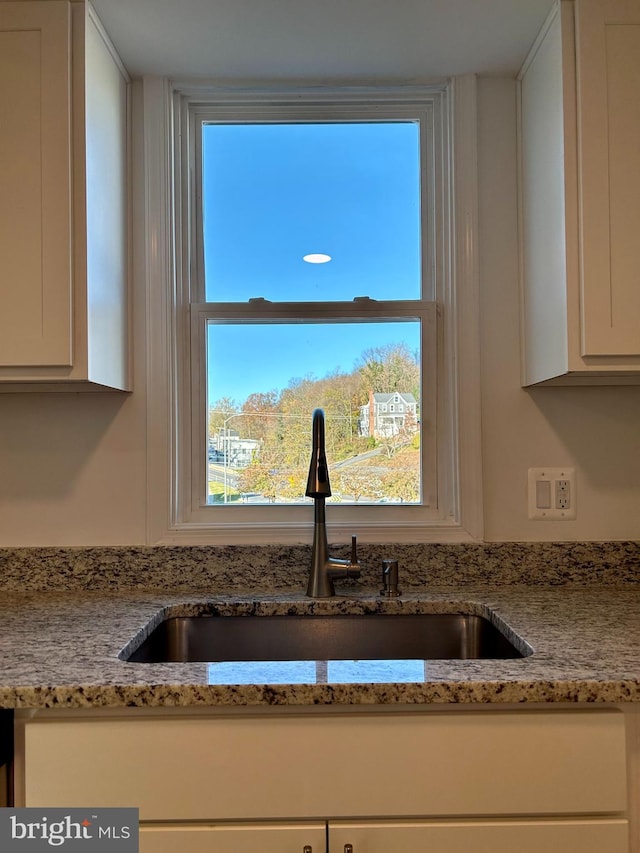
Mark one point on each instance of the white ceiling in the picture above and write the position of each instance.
(312, 40)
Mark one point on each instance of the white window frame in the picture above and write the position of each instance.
(172, 327)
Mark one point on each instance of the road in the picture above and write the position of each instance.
(217, 475)
(354, 460)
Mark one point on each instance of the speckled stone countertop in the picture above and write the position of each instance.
(67, 614)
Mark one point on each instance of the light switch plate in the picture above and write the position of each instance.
(552, 494)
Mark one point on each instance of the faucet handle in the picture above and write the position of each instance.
(354, 550)
(390, 579)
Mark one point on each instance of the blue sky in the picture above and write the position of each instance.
(244, 359)
(274, 193)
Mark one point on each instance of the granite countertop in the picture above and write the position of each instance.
(59, 643)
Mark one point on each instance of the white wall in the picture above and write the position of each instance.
(72, 469)
(73, 466)
(596, 430)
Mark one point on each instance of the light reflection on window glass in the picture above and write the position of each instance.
(374, 671)
(316, 672)
(263, 672)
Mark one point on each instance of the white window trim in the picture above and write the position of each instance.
(157, 241)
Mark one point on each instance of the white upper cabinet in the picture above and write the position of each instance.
(608, 63)
(35, 184)
(64, 260)
(579, 125)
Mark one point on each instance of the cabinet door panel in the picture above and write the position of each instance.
(481, 837)
(238, 838)
(35, 184)
(608, 55)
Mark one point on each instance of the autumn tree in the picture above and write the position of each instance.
(219, 412)
(359, 481)
(260, 409)
(402, 478)
(388, 368)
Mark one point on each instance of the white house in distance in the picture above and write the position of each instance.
(385, 415)
(228, 448)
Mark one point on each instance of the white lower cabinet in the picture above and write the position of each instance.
(342, 781)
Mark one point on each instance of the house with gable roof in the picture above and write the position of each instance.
(386, 415)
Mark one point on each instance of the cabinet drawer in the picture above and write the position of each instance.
(313, 766)
(237, 838)
(574, 836)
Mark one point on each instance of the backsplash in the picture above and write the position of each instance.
(278, 568)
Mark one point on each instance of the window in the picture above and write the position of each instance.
(310, 233)
(273, 191)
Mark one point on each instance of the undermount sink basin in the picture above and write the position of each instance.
(375, 636)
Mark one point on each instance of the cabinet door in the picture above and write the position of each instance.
(234, 838)
(35, 184)
(608, 75)
(480, 837)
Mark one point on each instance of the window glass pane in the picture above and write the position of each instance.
(265, 380)
(274, 194)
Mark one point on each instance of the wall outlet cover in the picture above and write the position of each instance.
(552, 494)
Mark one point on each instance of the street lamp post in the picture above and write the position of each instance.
(225, 448)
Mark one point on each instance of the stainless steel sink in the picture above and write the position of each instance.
(428, 636)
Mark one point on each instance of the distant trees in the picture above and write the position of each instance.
(389, 368)
(256, 407)
(360, 481)
(219, 413)
(401, 480)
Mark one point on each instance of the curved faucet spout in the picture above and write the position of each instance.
(324, 568)
(318, 484)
